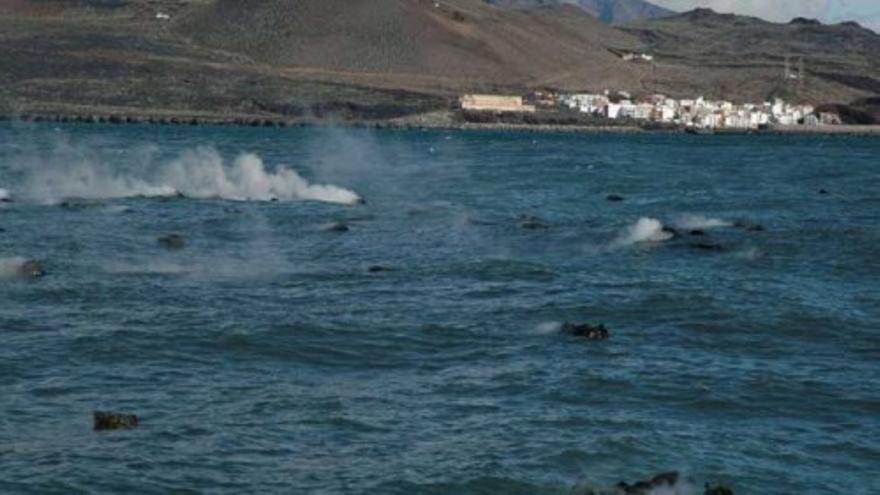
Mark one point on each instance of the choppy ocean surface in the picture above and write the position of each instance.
(266, 356)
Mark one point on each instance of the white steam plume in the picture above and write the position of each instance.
(197, 173)
(699, 222)
(644, 230)
(10, 268)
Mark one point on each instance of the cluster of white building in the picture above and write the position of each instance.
(699, 113)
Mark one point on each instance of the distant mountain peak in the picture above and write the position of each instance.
(803, 21)
(608, 11)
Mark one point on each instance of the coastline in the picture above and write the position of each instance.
(441, 120)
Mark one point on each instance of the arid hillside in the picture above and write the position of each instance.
(745, 58)
(296, 60)
(453, 45)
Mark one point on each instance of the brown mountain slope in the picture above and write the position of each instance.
(115, 57)
(453, 45)
(744, 57)
(373, 59)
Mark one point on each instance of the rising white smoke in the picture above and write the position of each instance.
(197, 173)
(11, 268)
(699, 222)
(645, 230)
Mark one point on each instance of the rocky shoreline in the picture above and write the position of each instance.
(445, 120)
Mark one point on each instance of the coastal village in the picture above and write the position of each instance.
(698, 114)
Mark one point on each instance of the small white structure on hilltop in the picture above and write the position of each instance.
(637, 57)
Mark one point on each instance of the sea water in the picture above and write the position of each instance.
(739, 278)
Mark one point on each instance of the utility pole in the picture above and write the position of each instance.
(801, 75)
(654, 76)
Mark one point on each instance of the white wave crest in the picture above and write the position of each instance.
(699, 222)
(644, 230)
(198, 173)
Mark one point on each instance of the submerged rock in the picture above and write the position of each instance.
(707, 246)
(172, 197)
(586, 331)
(717, 490)
(75, 204)
(172, 241)
(378, 269)
(337, 227)
(662, 480)
(749, 226)
(698, 232)
(105, 421)
(31, 269)
(529, 222)
(614, 198)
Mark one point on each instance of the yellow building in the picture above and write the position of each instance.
(495, 103)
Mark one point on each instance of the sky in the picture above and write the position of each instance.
(865, 12)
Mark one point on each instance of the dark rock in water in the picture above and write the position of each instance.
(749, 227)
(614, 198)
(586, 331)
(172, 197)
(360, 201)
(534, 225)
(823, 191)
(717, 490)
(105, 421)
(663, 480)
(698, 232)
(31, 269)
(337, 227)
(378, 269)
(5, 200)
(529, 222)
(80, 204)
(172, 241)
(707, 246)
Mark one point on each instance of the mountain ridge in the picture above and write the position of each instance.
(613, 12)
